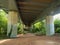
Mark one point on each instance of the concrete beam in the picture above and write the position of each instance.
(12, 5)
(32, 8)
(4, 4)
(49, 10)
(8, 4)
(33, 4)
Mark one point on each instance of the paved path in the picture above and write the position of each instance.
(30, 39)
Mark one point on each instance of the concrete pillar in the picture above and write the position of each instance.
(49, 26)
(12, 24)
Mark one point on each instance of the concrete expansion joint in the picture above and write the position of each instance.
(13, 10)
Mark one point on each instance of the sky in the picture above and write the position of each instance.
(57, 16)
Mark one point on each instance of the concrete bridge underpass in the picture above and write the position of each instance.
(29, 12)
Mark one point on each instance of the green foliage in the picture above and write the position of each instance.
(58, 30)
(3, 22)
(57, 25)
(20, 29)
(42, 32)
(38, 28)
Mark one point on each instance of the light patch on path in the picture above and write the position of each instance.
(2, 41)
(45, 42)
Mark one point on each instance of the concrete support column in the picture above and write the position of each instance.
(12, 24)
(49, 26)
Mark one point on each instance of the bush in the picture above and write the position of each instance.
(38, 28)
(42, 32)
(3, 23)
(20, 31)
(34, 30)
(57, 30)
(57, 26)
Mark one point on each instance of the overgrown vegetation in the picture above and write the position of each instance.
(3, 22)
(21, 29)
(39, 28)
(57, 26)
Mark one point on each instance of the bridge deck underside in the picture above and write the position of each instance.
(30, 10)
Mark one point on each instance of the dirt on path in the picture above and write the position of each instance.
(30, 39)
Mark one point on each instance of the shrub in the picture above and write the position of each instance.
(42, 32)
(58, 30)
(20, 30)
(38, 28)
(3, 22)
(57, 26)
